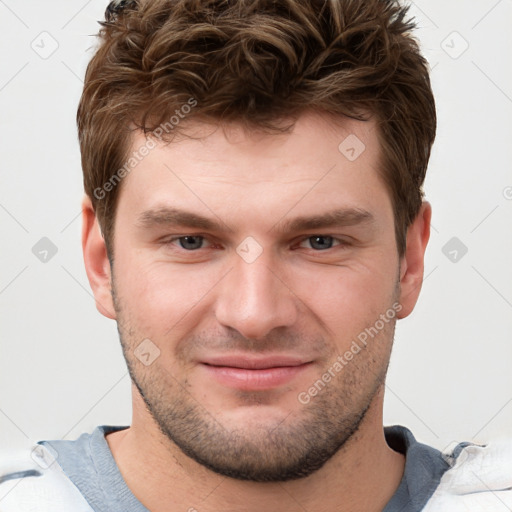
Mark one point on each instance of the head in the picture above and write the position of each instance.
(253, 175)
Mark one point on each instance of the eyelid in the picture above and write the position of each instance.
(341, 241)
(166, 241)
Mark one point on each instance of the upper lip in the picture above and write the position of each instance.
(255, 363)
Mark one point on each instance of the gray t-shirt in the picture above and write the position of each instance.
(89, 464)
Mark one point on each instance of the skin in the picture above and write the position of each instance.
(293, 299)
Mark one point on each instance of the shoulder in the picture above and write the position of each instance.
(479, 478)
(33, 481)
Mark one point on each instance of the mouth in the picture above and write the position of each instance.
(251, 373)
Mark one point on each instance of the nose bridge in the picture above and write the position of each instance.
(253, 299)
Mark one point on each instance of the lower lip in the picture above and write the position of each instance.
(245, 379)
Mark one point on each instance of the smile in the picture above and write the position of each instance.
(246, 374)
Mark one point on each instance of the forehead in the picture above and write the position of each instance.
(235, 171)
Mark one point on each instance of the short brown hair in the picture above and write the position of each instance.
(256, 62)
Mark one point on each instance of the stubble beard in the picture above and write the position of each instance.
(297, 446)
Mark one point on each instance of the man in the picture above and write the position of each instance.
(254, 223)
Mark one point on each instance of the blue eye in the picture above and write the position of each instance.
(190, 242)
(193, 243)
(321, 242)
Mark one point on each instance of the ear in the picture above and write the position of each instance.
(97, 265)
(412, 262)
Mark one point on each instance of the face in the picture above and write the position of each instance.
(255, 285)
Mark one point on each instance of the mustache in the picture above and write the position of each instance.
(228, 341)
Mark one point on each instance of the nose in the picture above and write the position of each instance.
(254, 299)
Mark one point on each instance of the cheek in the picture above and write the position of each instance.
(166, 300)
(159, 296)
(347, 300)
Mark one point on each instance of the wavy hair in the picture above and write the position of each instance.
(259, 63)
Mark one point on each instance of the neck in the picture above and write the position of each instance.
(362, 476)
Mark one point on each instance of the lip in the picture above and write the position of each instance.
(254, 363)
(254, 373)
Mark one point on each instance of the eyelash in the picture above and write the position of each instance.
(342, 243)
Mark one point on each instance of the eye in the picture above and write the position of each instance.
(321, 242)
(188, 242)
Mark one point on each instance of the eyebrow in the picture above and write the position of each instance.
(335, 218)
(171, 217)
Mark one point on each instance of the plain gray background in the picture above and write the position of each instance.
(61, 367)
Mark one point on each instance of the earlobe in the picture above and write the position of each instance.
(412, 263)
(97, 265)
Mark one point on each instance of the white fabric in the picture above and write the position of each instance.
(52, 491)
(479, 481)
